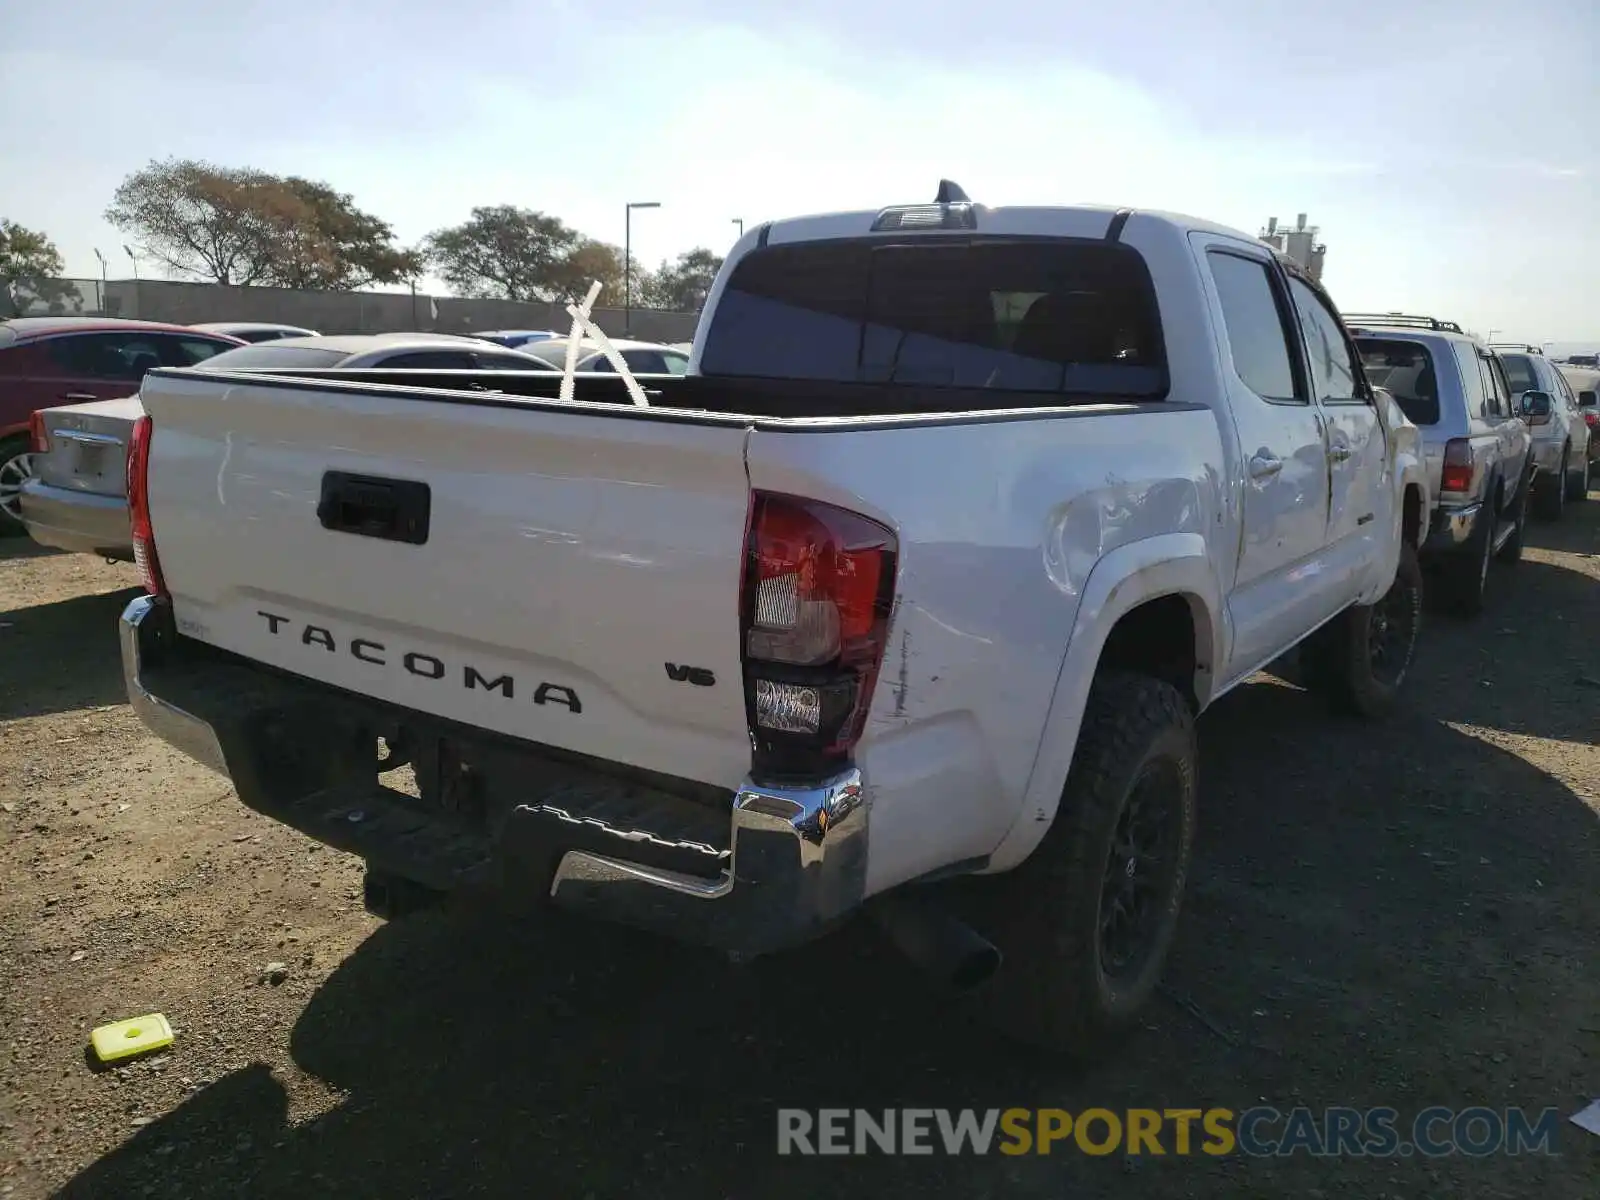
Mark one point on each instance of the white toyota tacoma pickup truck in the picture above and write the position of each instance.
(925, 569)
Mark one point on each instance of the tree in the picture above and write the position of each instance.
(219, 223)
(681, 286)
(242, 226)
(28, 260)
(506, 252)
(327, 243)
(588, 261)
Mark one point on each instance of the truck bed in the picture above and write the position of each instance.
(784, 399)
(578, 582)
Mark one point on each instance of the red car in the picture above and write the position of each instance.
(50, 361)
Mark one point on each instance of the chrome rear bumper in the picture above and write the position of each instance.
(796, 861)
(82, 522)
(1451, 528)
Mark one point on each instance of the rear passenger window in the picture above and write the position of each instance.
(1256, 336)
(1564, 391)
(431, 360)
(1495, 385)
(121, 356)
(645, 362)
(1333, 379)
(1472, 381)
(1520, 373)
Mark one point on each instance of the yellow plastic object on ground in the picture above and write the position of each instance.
(124, 1039)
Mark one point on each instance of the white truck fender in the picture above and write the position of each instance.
(1407, 470)
(1165, 565)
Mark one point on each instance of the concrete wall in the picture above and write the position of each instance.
(343, 312)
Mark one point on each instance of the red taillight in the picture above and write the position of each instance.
(38, 437)
(1592, 420)
(144, 538)
(1456, 475)
(818, 588)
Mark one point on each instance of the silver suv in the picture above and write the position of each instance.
(1560, 441)
(1478, 448)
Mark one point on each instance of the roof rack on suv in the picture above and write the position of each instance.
(1519, 347)
(1402, 321)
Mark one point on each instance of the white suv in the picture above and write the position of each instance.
(1478, 451)
(1561, 440)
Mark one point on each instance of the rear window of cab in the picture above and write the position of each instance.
(1006, 314)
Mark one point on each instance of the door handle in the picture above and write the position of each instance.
(79, 397)
(1263, 466)
(1339, 453)
(395, 510)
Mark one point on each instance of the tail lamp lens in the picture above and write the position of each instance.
(819, 586)
(144, 541)
(38, 436)
(1456, 475)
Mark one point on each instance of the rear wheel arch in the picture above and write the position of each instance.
(1411, 509)
(1165, 595)
(1160, 637)
(13, 446)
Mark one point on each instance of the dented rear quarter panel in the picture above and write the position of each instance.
(1000, 522)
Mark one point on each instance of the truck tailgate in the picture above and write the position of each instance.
(575, 564)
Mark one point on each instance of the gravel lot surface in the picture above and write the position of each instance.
(1401, 915)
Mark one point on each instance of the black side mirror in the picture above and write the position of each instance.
(1535, 408)
(1588, 400)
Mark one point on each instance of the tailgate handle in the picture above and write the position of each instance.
(395, 510)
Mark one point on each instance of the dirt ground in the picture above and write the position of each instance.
(1404, 915)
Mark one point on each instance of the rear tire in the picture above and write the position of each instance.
(1085, 923)
(1550, 500)
(15, 469)
(1464, 574)
(1358, 660)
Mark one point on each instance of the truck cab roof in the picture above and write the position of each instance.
(1082, 221)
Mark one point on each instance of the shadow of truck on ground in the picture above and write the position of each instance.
(62, 655)
(1393, 914)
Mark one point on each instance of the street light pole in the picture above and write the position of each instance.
(128, 250)
(739, 221)
(627, 261)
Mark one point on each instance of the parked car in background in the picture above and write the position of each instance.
(643, 358)
(1560, 440)
(74, 496)
(1585, 385)
(256, 331)
(391, 351)
(513, 338)
(48, 361)
(1477, 447)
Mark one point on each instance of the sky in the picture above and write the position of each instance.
(1449, 152)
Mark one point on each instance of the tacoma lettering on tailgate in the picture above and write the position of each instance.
(423, 666)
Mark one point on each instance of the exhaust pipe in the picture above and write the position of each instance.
(952, 952)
